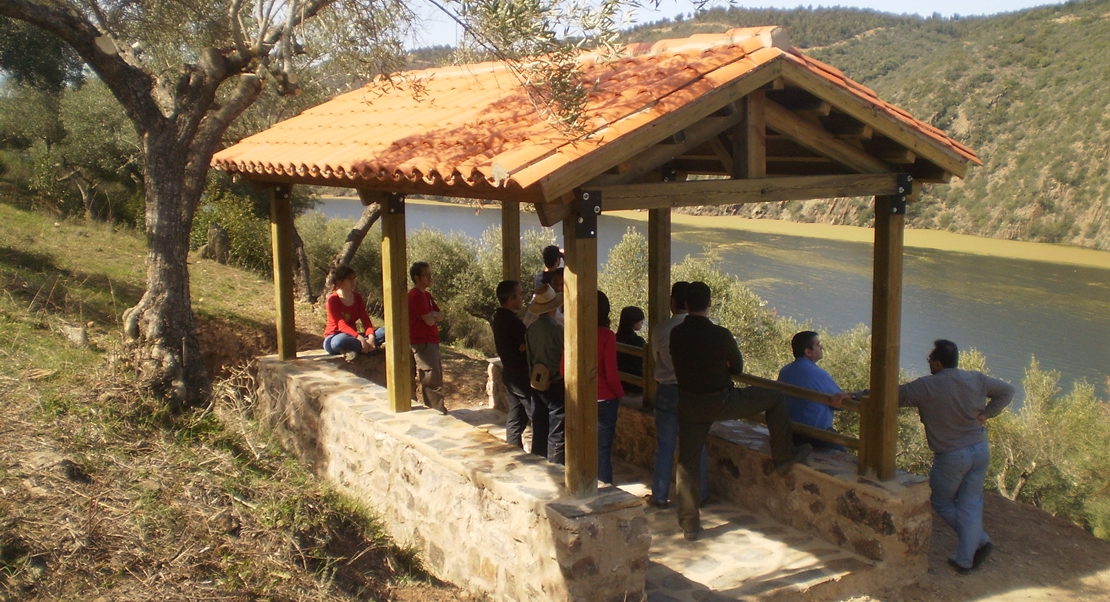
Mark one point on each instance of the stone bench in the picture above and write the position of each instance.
(887, 522)
(481, 514)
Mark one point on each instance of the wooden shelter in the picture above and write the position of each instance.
(745, 108)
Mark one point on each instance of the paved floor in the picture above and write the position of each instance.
(738, 555)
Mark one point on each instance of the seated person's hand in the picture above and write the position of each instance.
(838, 399)
(367, 345)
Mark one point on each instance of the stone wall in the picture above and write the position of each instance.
(481, 514)
(887, 522)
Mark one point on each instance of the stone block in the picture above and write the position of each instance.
(481, 514)
(886, 522)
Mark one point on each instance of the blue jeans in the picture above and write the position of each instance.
(340, 342)
(520, 406)
(956, 480)
(607, 411)
(666, 438)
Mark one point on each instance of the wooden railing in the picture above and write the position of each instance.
(640, 352)
(792, 390)
(807, 394)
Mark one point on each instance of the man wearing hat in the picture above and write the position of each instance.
(544, 342)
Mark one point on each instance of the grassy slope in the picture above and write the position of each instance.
(106, 494)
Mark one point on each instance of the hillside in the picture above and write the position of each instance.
(1029, 91)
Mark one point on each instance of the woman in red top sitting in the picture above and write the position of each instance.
(609, 390)
(345, 309)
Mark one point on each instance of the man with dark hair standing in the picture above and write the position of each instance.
(508, 336)
(804, 372)
(666, 403)
(552, 255)
(424, 317)
(952, 404)
(705, 357)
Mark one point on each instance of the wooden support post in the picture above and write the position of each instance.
(398, 354)
(749, 146)
(580, 352)
(879, 417)
(659, 288)
(510, 240)
(281, 239)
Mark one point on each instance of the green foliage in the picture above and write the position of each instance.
(323, 238)
(624, 278)
(1052, 452)
(248, 234)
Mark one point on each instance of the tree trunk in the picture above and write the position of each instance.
(354, 239)
(162, 328)
(301, 283)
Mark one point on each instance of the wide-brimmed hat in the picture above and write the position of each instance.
(545, 300)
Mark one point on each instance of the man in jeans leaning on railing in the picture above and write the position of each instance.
(666, 404)
(705, 357)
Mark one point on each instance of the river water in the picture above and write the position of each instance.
(1009, 309)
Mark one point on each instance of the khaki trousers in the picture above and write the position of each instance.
(428, 369)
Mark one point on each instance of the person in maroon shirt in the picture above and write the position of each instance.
(424, 317)
(346, 308)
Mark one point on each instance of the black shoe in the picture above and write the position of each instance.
(959, 569)
(657, 503)
(690, 535)
(801, 452)
(981, 554)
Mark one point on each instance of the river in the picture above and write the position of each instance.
(1010, 309)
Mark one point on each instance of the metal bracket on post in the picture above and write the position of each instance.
(395, 204)
(283, 191)
(905, 188)
(669, 173)
(588, 206)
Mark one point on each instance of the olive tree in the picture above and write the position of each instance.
(185, 70)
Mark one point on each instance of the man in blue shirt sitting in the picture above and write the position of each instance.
(804, 372)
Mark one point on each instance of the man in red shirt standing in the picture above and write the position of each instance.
(424, 315)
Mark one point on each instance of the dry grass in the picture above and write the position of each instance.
(106, 495)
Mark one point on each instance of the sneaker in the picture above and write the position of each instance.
(350, 355)
(981, 554)
(801, 452)
(959, 569)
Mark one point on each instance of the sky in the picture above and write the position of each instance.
(439, 30)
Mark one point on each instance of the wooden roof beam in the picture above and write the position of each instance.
(820, 140)
(586, 168)
(729, 191)
(850, 104)
(847, 128)
(662, 153)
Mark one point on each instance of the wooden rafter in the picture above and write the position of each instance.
(573, 174)
(864, 111)
(721, 192)
(820, 141)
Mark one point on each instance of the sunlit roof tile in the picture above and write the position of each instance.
(473, 126)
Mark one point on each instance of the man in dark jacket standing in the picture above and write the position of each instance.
(705, 356)
(508, 336)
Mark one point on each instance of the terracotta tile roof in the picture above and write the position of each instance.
(473, 132)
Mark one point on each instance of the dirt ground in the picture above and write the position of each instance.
(1037, 556)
